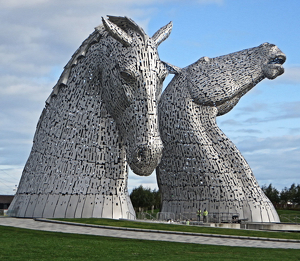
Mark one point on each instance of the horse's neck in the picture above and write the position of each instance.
(180, 117)
(85, 113)
(76, 138)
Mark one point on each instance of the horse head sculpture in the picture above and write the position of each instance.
(101, 115)
(131, 95)
(218, 80)
(201, 167)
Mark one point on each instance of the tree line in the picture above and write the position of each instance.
(145, 199)
(287, 196)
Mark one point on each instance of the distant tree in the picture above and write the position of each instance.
(142, 198)
(297, 195)
(292, 193)
(285, 196)
(145, 199)
(272, 193)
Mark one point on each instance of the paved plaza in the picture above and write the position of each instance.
(145, 234)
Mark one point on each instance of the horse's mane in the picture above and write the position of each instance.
(124, 23)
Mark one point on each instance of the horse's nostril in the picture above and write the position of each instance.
(140, 154)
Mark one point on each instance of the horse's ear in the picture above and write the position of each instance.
(117, 33)
(162, 34)
(172, 68)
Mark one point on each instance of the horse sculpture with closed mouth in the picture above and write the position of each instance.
(100, 117)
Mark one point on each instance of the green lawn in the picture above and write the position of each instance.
(184, 228)
(23, 244)
(289, 216)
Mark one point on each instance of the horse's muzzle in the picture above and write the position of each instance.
(145, 158)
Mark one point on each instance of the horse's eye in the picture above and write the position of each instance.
(162, 76)
(128, 77)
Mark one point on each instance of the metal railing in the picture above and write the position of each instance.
(224, 217)
(186, 216)
(165, 216)
(212, 217)
(145, 215)
(191, 216)
(130, 215)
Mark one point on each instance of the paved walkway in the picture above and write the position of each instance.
(221, 240)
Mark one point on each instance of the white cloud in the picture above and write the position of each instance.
(21, 4)
(279, 144)
(291, 75)
(251, 131)
(273, 160)
(135, 181)
(228, 122)
(32, 90)
(9, 178)
(254, 107)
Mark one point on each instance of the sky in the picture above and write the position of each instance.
(38, 37)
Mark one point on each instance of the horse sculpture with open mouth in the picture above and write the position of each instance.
(201, 167)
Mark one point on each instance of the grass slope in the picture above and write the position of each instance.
(24, 244)
(288, 216)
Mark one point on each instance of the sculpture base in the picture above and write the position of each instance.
(223, 211)
(71, 206)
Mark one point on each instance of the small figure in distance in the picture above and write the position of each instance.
(199, 214)
(205, 214)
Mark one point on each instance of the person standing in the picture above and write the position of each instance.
(199, 214)
(205, 214)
